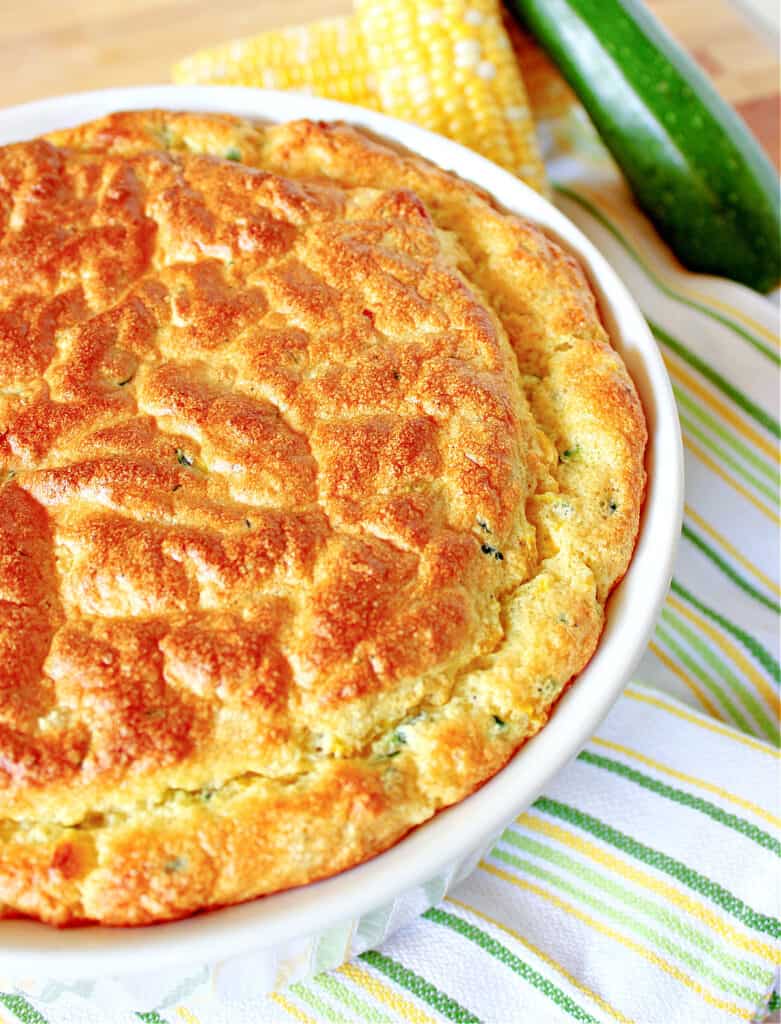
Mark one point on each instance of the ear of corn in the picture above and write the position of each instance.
(326, 58)
(447, 65)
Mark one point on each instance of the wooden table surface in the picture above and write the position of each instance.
(49, 47)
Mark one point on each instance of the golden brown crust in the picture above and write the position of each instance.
(316, 470)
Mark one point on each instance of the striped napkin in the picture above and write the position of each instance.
(644, 885)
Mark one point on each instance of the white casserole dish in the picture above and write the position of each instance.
(278, 939)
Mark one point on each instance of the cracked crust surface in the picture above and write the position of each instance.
(316, 471)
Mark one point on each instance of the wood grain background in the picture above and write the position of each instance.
(49, 47)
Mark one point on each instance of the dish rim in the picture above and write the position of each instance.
(448, 837)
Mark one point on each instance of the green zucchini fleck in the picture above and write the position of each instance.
(570, 454)
(562, 508)
(232, 153)
(175, 864)
(488, 550)
(166, 136)
(183, 459)
(548, 688)
(500, 722)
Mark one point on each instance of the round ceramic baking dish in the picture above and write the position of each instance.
(277, 939)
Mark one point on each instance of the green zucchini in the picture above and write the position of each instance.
(692, 163)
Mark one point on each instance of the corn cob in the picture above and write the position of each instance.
(444, 64)
(326, 58)
(448, 65)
